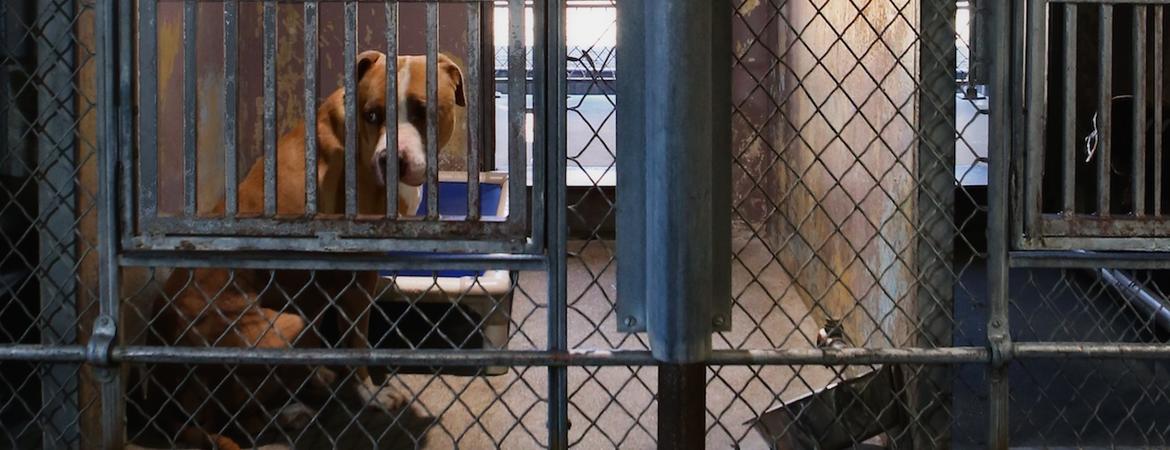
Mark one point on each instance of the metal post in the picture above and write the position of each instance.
(681, 406)
(57, 160)
(682, 118)
(930, 393)
(109, 133)
(551, 110)
(1003, 114)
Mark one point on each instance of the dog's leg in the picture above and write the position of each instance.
(354, 321)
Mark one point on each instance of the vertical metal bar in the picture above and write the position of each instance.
(350, 109)
(148, 110)
(1068, 147)
(310, 108)
(1037, 88)
(487, 86)
(1105, 111)
(631, 198)
(1159, 105)
(548, 71)
(517, 105)
(5, 102)
(473, 113)
(57, 191)
(109, 132)
(392, 110)
(555, 64)
(269, 108)
(432, 138)
(930, 391)
(126, 116)
(190, 104)
(1138, 181)
(231, 57)
(682, 405)
(1001, 134)
(680, 131)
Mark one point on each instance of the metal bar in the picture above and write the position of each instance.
(1089, 260)
(721, 162)
(1153, 305)
(929, 389)
(42, 353)
(474, 126)
(517, 105)
(147, 110)
(1100, 2)
(190, 104)
(126, 79)
(1159, 106)
(392, 111)
(108, 137)
(6, 102)
(327, 243)
(631, 198)
(1004, 17)
(432, 131)
(550, 202)
(350, 109)
(680, 131)
(57, 190)
(1037, 77)
(1138, 180)
(1090, 350)
(364, 225)
(543, 358)
(334, 261)
(269, 108)
(1105, 112)
(231, 57)
(682, 406)
(310, 109)
(1068, 148)
(487, 88)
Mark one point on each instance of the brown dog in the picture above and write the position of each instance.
(218, 307)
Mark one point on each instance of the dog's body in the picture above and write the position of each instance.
(243, 308)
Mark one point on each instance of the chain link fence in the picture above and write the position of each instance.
(874, 298)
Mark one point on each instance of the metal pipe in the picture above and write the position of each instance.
(335, 261)
(517, 113)
(269, 30)
(1090, 260)
(432, 110)
(1159, 106)
(1068, 148)
(1105, 112)
(391, 120)
(190, 104)
(351, 114)
(1135, 293)
(148, 110)
(1138, 180)
(473, 113)
(680, 133)
(231, 55)
(105, 329)
(310, 109)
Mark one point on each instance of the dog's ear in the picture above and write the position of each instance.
(447, 66)
(365, 61)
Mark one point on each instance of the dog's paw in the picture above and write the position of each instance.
(382, 396)
(295, 416)
(323, 377)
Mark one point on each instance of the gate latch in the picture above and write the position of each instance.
(101, 341)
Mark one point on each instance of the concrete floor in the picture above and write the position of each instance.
(614, 407)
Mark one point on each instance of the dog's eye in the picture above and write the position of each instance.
(373, 118)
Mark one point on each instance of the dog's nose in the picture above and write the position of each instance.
(380, 166)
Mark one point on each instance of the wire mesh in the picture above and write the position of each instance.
(855, 225)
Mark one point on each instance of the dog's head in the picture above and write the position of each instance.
(411, 125)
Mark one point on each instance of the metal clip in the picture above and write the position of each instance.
(101, 341)
(1001, 350)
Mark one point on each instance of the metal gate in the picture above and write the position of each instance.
(841, 223)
